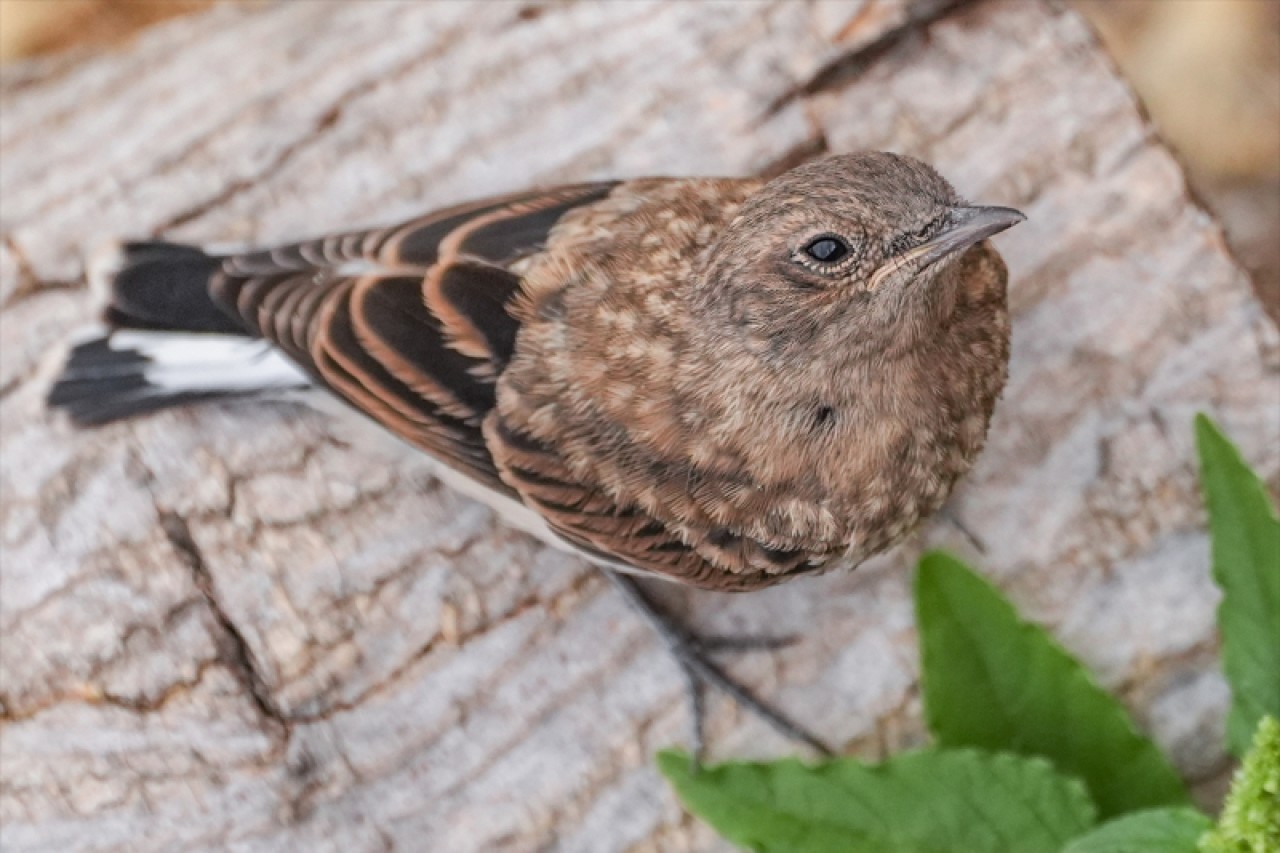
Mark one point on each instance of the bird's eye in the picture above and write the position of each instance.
(827, 249)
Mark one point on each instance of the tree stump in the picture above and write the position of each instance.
(226, 627)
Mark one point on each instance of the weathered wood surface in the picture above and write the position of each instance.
(224, 627)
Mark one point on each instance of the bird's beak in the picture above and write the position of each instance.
(967, 225)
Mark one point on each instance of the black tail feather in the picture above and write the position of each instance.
(164, 287)
(100, 384)
(167, 342)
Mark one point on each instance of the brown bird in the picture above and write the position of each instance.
(722, 382)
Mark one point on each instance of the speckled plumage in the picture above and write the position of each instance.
(772, 428)
(662, 370)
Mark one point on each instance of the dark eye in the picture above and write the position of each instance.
(827, 249)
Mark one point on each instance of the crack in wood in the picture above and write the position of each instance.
(235, 651)
(525, 604)
(843, 69)
(29, 284)
(327, 120)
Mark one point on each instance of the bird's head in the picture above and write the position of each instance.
(858, 250)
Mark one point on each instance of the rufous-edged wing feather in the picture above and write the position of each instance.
(584, 516)
(409, 323)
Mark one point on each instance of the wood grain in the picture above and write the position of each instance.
(228, 627)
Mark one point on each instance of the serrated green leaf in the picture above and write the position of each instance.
(1250, 821)
(993, 681)
(1150, 831)
(965, 801)
(1246, 565)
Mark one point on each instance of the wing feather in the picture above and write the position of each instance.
(408, 323)
(471, 300)
(591, 520)
(394, 325)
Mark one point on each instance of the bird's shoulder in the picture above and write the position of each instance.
(643, 240)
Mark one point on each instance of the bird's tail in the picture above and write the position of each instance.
(165, 341)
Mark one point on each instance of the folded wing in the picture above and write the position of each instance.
(408, 324)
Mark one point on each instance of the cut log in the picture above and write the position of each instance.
(226, 627)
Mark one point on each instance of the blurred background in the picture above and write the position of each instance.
(1208, 71)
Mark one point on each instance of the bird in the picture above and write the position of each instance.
(726, 382)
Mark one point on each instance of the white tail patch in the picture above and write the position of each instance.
(186, 361)
(131, 372)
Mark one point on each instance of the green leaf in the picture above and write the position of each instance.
(992, 681)
(1250, 820)
(1151, 831)
(958, 800)
(1246, 564)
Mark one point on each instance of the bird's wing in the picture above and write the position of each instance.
(585, 516)
(409, 324)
